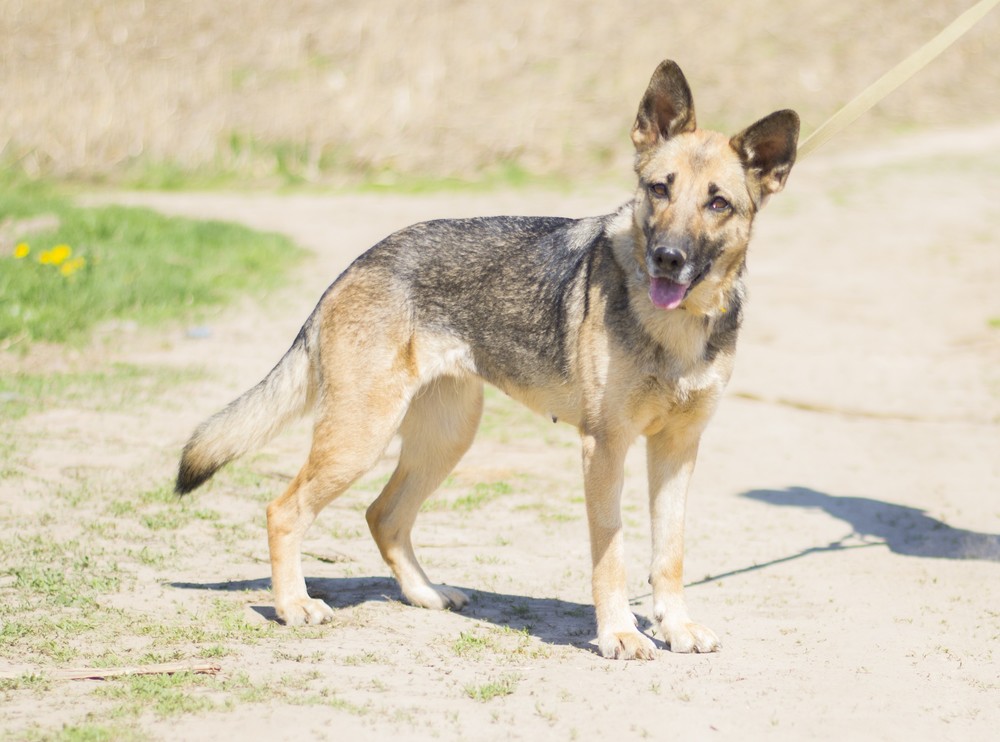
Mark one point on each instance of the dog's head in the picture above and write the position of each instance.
(699, 191)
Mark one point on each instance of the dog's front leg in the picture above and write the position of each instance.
(670, 460)
(617, 636)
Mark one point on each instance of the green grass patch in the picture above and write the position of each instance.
(160, 509)
(25, 681)
(244, 159)
(73, 587)
(497, 644)
(164, 695)
(482, 493)
(86, 732)
(119, 386)
(41, 635)
(507, 174)
(7, 455)
(72, 268)
(50, 573)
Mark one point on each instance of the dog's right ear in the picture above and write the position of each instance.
(667, 108)
(767, 150)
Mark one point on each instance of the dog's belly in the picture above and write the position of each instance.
(546, 391)
(560, 402)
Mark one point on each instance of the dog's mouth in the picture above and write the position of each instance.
(666, 293)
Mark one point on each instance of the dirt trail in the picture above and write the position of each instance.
(844, 523)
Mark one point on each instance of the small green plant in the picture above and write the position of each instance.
(25, 681)
(213, 651)
(471, 644)
(502, 686)
(482, 493)
(366, 657)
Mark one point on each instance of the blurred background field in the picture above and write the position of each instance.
(175, 93)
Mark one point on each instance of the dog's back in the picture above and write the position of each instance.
(512, 288)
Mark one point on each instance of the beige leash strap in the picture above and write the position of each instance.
(895, 77)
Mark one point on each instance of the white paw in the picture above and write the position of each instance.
(436, 597)
(691, 637)
(626, 645)
(302, 611)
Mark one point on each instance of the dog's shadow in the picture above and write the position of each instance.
(554, 621)
(904, 530)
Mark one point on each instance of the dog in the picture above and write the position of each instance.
(622, 325)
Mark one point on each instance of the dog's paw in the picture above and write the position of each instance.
(302, 611)
(691, 637)
(626, 645)
(436, 597)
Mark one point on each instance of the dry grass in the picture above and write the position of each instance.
(353, 91)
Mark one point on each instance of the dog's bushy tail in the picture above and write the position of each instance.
(250, 421)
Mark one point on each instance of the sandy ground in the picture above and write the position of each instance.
(844, 520)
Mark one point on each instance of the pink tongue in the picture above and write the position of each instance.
(666, 294)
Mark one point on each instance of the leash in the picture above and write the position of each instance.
(895, 77)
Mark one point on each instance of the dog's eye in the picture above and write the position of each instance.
(660, 190)
(719, 204)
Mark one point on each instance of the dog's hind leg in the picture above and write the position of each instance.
(342, 451)
(361, 408)
(288, 519)
(436, 432)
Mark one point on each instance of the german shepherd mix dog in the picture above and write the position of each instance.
(622, 325)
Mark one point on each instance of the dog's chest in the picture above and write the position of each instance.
(664, 396)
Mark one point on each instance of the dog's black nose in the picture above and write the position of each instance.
(669, 258)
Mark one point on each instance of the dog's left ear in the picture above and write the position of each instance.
(666, 109)
(767, 150)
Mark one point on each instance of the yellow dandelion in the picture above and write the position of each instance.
(21, 250)
(56, 256)
(72, 266)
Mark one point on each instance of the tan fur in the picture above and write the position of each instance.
(374, 371)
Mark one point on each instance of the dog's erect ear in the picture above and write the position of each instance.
(767, 150)
(666, 109)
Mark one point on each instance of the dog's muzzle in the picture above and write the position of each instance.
(672, 276)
